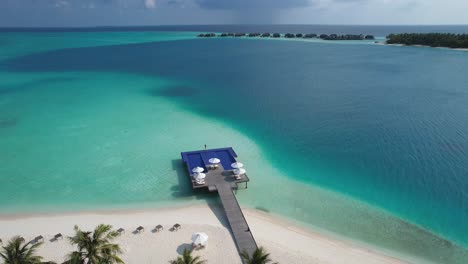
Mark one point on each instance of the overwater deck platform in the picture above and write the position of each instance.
(222, 180)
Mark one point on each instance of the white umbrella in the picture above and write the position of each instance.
(214, 160)
(199, 238)
(237, 165)
(200, 176)
(198, 169)
(239, 171)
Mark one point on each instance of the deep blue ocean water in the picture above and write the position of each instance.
(378, 30)
(385, 125)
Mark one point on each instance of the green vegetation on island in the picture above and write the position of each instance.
(19, 252)
(259, 256)
(187, 258)
(447, 40)
(96, 247)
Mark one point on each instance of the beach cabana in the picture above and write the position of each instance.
(200, 176)
(198, 169)
(199, 240)
(237, 165)
(239, 171)
(214, 162)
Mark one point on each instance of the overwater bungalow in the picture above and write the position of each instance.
(355, 37)
(239, 34)
(299, 35)
(324, 36)
(310, 35)
(230, 34)
(223, 35)
(289, 35)
(254, 34)
(276, 35)
(345, 37)
(265, 35)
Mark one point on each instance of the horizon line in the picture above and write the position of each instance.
(195, 25)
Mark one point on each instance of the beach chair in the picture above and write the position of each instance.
(58, 236)
(158, 228)
(120, 231)
(197, 246)
(139, 229)
(38, 239)
(176, 227)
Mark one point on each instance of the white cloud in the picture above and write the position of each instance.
(61, 3)
(150, 4)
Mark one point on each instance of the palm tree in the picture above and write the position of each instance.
(16, 252)
(260, 256)
(95, 247)
(187, 258)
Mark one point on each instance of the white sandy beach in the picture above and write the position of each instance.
(285, 242)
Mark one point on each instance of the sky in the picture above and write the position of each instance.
(83, 13)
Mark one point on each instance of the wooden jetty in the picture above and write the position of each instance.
(222, 180)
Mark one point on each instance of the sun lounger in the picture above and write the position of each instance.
(176, 227)
(39, 239)
(139, 229)
(158, 228)
(57, 236)
(120, 230)
(197, 246)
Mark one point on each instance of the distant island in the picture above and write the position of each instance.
(291, 35)
(446, 40)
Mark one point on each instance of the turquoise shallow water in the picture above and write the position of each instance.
(347, 139)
